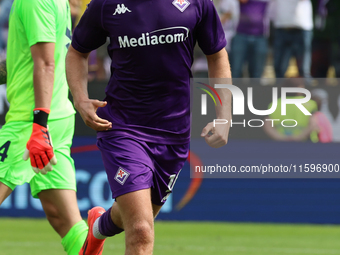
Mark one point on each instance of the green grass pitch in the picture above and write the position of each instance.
(35, 236)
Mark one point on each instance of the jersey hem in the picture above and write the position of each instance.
(49, 119)
(41, 40)
(79, 48)
(217, 48)
(145, 137)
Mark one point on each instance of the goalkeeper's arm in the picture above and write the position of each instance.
(43, 73)
(39, 147)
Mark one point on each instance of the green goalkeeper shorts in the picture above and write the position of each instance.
(15, 171)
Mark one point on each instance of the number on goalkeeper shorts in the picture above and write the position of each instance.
(3, 151)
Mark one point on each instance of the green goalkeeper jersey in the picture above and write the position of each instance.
(31, 22)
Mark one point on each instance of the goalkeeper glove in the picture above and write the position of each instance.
(39, 147)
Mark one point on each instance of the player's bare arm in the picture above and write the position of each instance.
(3, 72)
(219, 67)
(76, 73)
(43, 73)
(39, 147)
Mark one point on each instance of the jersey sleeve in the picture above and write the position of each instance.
(210, 34)
(90, 34)
(39, 21)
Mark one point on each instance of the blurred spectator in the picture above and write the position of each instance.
(75, 6)
(325, 129)
(5, 8)
(229, 11)
(326, 41)
(83, 6)
(229, 14)
(293, 23)
(307, 124)
(250, 42)
(98, 66)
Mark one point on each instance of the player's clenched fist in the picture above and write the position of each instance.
(39, 147)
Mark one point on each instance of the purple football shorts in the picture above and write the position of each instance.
(133, 165)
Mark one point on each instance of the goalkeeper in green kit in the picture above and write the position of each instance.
(39, 35)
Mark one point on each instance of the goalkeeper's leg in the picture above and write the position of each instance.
(57, 189)
(5, 191)
(13, 170)
(63, 214)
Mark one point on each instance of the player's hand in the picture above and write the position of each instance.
(217, 136)
(88, 109)
(39, 149)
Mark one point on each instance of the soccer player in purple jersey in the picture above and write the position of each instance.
(143, 123)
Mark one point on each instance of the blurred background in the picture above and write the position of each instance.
(269, 42)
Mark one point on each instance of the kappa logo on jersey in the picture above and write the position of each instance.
(121, 175)
(181, 4)
(121, 9)
(159, 36)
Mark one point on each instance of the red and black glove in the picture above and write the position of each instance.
(39, 147)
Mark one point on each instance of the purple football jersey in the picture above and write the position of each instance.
(253, 18)
(151, 47)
